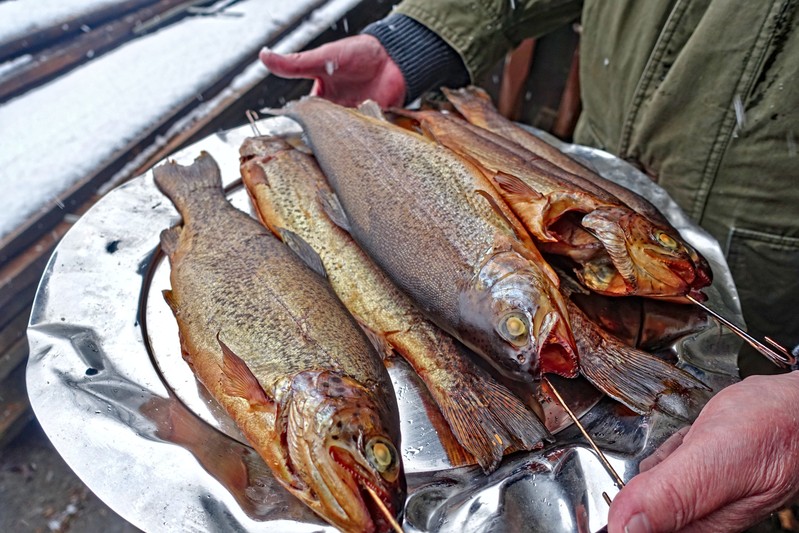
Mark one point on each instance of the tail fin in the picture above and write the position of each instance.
(486, 417)
(635, 378)
(187, 185)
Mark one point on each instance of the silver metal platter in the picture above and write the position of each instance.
(110, 389)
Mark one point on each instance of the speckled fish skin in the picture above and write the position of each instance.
(288, 189)
(272, 343)
(638, 256)
(423, 216)
(476, 106)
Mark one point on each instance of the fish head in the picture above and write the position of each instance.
(339, 446)
(643, 258)
(515, 317)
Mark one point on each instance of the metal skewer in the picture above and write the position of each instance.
(384, 510)
(782, 358)
(608, 467)
(252, 117)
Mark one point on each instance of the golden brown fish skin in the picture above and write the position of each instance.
(649, 260)
(476, 106)
(432, 222)
(487, 419)
(275, 347)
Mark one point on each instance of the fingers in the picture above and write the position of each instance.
(310, 64)
(665, 449)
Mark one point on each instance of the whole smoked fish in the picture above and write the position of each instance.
(290, 193)
(274, 346)
(436, 226)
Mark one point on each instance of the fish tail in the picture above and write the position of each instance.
(643, 382)
(488, 419)
(187, 185)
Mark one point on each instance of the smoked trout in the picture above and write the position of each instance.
(619, 251)
(436, 226)
(290, 193)
(275, 347)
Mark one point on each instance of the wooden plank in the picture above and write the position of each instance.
(13, 357)
(570, 104)
(67, 27)
(25, 268)
(15, 408)
(517, 66)
(547, 79)
(15, 329)
(53, 61)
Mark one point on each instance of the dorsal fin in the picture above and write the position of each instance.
(303, 250)
(240, 380)
(332, 208)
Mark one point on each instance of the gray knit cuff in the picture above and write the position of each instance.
(425, 59)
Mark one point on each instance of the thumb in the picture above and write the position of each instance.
(310, 64)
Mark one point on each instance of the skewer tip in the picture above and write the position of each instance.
(384, 510)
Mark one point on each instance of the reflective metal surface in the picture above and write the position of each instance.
(108, 385)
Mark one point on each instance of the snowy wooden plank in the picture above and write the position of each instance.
(26, 25)
(60, 57)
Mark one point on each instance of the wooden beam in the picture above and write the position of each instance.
(514, 74)
(570, 103)
(67, 27)
(15, 408)
(61, 57)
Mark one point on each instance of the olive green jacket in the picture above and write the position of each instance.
(703, 95)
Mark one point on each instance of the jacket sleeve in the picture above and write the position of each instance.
(482, 31)
(426, 61)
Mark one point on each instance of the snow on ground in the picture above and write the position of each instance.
(55, 135)
(20, 17)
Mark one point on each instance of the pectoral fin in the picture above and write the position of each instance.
(169, 297)
(530, 206)
(240, 380)
(378, 340)
(303, 251)
(332, 208)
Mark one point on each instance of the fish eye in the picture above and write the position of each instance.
(382, 455)
(666, 240)
(514, 328)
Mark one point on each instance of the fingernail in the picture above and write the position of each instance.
(266, 50)
(638, 523)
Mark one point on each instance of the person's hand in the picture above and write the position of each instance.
(347, 71)
(737, 463)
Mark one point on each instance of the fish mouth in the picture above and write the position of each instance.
(358, 481)
(556, 353)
